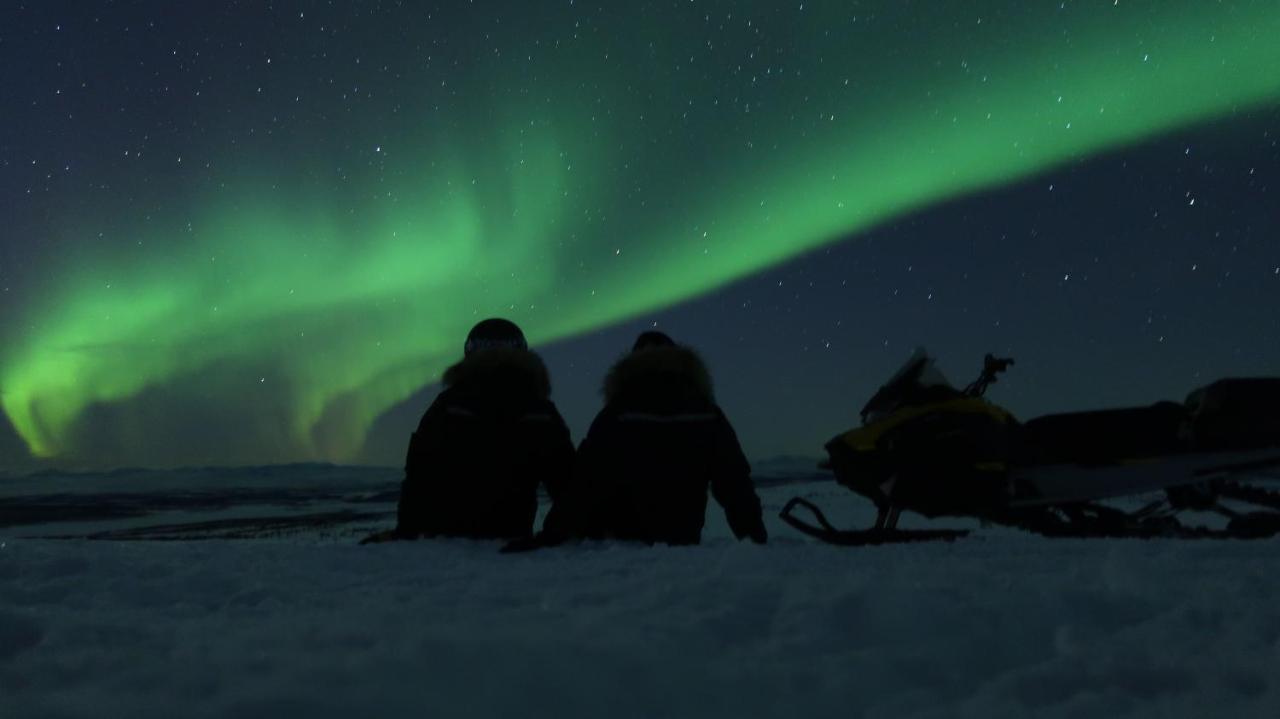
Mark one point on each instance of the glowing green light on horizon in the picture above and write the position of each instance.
(615, 187)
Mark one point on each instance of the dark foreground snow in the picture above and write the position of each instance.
(304, 623)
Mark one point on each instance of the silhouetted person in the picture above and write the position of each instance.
(487, 441)
(644, 469)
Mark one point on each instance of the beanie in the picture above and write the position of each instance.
(494, 333)
(651, 339)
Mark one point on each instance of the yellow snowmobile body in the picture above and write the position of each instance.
(943, 457)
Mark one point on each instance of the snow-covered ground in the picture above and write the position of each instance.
(301, 622)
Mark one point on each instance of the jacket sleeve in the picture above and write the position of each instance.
(572, 512)
(558, 460)
(424, 447)
(732, 487)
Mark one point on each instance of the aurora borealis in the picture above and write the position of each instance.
(282, 220)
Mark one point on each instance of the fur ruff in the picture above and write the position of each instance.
(640, 368)
(521, 366)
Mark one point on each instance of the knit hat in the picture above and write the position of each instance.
(652, 339)
(494, 333)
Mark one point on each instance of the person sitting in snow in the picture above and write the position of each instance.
(485, 444)
(643, 470)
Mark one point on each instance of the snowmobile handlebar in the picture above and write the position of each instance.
(991, 367)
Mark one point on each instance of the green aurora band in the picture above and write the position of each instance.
(572, 177)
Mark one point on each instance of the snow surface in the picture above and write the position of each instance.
(304, 623)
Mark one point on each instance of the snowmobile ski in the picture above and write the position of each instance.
(826, 532)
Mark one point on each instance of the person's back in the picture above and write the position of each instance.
(653, 452)
(482, 448)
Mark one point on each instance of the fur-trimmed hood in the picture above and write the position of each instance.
(508, 369)
(659, 373)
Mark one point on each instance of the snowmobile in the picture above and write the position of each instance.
(925, 446)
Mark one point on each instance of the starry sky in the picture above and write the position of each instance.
(252, 232)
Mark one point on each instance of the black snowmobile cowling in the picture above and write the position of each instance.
(927, 447)
(1236, 413)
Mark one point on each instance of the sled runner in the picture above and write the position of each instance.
(927, 447)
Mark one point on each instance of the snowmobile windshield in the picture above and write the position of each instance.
(907, 386)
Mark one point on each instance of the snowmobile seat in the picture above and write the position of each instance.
(1236, 413)
(1104, 436)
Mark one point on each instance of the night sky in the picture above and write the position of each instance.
(257, 232)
